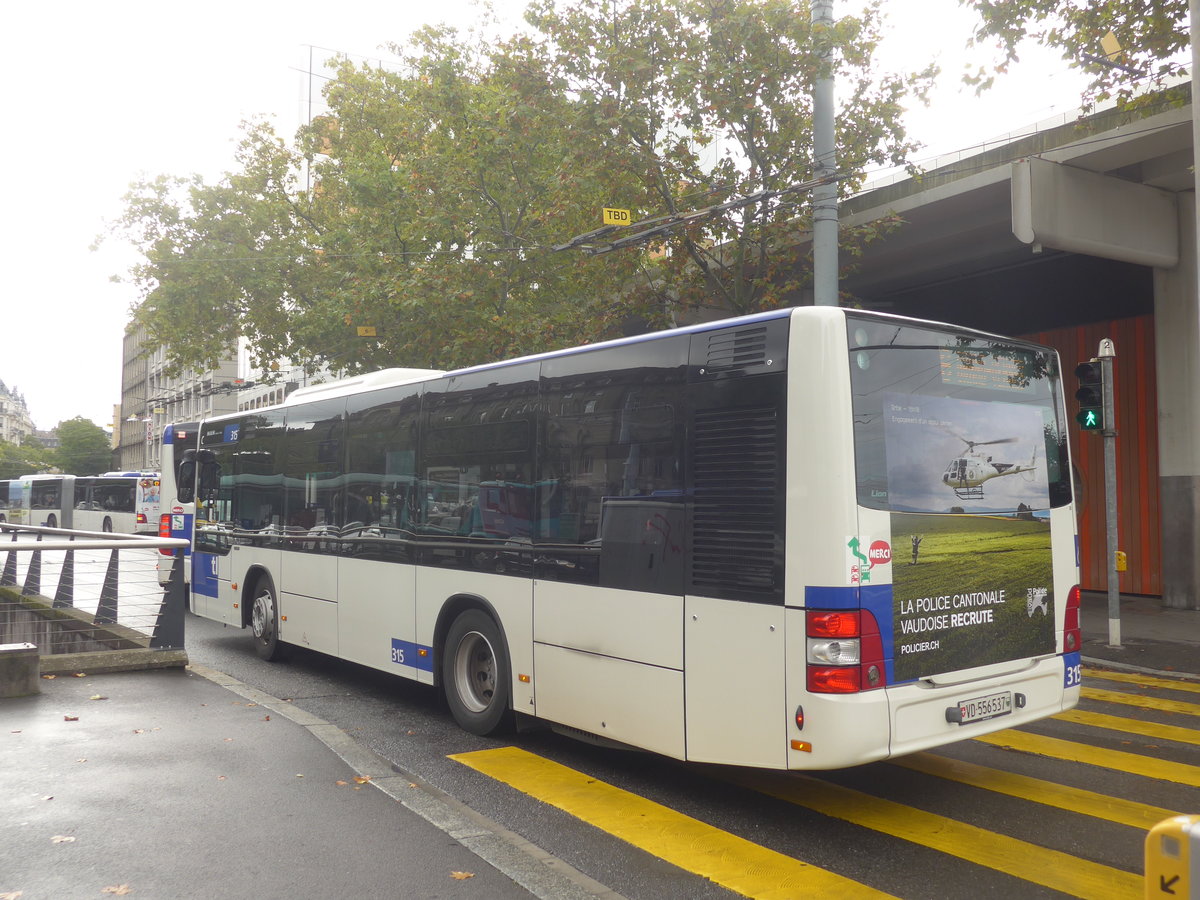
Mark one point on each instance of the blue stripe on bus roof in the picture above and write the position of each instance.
(628, 341)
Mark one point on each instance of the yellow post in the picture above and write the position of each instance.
(1173, 859)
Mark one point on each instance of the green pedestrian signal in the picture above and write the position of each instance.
(1090, 395)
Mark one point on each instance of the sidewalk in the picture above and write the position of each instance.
(1152, 638)
(174, 786)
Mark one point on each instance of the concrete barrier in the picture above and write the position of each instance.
(19, 670)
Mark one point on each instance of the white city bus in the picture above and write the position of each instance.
(808, 538)
(124, 502)
(42, 500)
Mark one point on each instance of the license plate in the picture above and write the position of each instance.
(987, 707)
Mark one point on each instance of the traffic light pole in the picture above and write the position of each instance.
(1109, 434)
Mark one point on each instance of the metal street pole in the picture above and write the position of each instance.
(1106, 356)
(824, 196)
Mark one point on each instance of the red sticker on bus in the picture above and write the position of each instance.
(880, 553)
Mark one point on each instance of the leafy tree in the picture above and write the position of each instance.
(715, 98)
(1151, 34)
(426, 204)
(83, 447)
(22, 459)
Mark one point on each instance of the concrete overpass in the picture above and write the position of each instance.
(1072, 233)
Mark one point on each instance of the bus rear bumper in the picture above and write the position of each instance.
(925, 716)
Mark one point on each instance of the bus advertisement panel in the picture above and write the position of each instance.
(872, 514)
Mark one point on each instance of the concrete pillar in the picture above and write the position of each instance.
(1177, 352)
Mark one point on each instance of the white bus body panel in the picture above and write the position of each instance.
(632, 625)
(309, 622)
(735, 685)
(309, 575)
(376, 604)
(617, 699)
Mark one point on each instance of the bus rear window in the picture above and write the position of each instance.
(950, 422)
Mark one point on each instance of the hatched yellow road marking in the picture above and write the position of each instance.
(1154, 730)
(1170, 684)
(726, 859)
(1024, 787)
(1146, 766)
(1171, 706)
(1020, 859)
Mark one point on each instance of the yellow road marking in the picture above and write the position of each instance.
(1020, 859)
(1170, 684)
(1023, 787)
(726, 859)
(1146, 766)
(1172, 706)
(1131, 726)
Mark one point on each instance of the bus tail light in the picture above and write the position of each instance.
(1072, 638)
(141, 518)
(164, 531)
(845, 652)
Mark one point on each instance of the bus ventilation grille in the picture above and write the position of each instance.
(736, 504)
(741, 351)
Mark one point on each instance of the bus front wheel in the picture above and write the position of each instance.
(107, 526)
(52, 521)
(264, 622)
(475, 673)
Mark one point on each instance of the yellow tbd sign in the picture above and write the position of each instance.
(616, 216)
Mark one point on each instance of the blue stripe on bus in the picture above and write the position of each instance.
(418, 656)
(204, 574)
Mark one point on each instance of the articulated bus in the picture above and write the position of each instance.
(126, 502)
(808, 538)
(42, 500)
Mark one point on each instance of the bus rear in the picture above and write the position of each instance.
(949, 606)
(171, 515)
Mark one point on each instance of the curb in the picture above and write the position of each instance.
(538, 871)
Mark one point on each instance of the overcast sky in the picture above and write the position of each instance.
(98, 94)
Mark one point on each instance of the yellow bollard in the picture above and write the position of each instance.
(1173, 859)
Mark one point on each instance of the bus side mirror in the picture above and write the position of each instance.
(210, 473)
(185, 477)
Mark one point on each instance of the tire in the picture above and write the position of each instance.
(475, 673)
(264, 622)
(107, 526)
(52, 521)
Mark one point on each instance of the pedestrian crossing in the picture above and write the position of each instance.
(1097, 796)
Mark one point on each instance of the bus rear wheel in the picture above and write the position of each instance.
(52, 521)
(107, 526)
(475, 673)
(264, 622)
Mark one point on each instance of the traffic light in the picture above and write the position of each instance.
(1090, 395)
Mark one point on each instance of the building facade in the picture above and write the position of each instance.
(16, 426)
(152, 398)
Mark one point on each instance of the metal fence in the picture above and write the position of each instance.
(78, 592)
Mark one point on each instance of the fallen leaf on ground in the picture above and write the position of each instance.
(119, 889)
(462, 876)
(80, 675)
(361, 779)
(139, 731)
(221, 778)
(81, 759)
(11, 895)
(62, 839)
(266, 718)
(228, 739)
(299, 775)
(97, 697)
(341, 783)
(70, 718)
(48, 678)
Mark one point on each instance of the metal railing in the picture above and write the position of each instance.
(107, 594)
